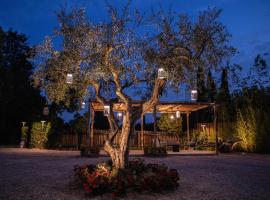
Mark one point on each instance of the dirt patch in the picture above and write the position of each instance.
(46, 174)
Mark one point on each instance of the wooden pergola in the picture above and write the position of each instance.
(162, 107)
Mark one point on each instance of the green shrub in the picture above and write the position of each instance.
(246, 129)
(39, 134)
(139, 176)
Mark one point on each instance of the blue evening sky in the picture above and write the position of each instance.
(247, 20)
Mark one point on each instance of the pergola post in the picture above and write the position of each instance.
(155, 119)
(92, 126)
(188, 134)
(142, 136)
(215, 127)
(155, 122)
(88, 122)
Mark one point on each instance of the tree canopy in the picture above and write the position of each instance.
(119, 56)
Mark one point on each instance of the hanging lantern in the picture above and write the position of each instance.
(69, 79)
(172, 117)
(106, 110)
(119, 115)
(83, 105)
(194, 95)
(161, 73)
(178, 114)
(46, 110)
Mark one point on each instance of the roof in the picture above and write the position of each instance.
(162, 106)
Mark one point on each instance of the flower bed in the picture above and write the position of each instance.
(102, 178)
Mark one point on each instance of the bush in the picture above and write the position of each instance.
(39, 134)
(102, 178)
(155, 151)
(246, 129)
(90, 151)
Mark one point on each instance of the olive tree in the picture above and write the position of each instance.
(121, 55)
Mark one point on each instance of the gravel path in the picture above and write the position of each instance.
(47, 175)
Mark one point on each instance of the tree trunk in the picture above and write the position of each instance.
(119, 153)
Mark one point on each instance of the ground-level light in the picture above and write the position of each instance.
(106, 110)
(194, 95)
(161, 73)
(69, 79)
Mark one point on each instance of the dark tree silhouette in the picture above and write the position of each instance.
(19, 101)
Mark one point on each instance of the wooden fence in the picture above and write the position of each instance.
(74, 141)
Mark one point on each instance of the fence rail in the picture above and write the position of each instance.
(74, 141)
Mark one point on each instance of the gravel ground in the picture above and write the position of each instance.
(47, 175)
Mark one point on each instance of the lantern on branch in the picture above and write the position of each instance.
(69, 79)
(106, 110)
(194, 95)
(83, 105)
(46, 110)
(161, 73)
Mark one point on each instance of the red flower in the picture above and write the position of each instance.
(87, 188)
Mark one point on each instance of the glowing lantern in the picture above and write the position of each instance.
(46, 110)
(69, 78)
(194, 95)
(119, 115)
(106, 110)
(172, 117)
(83, 105)
(178, 114)
(161, 73)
